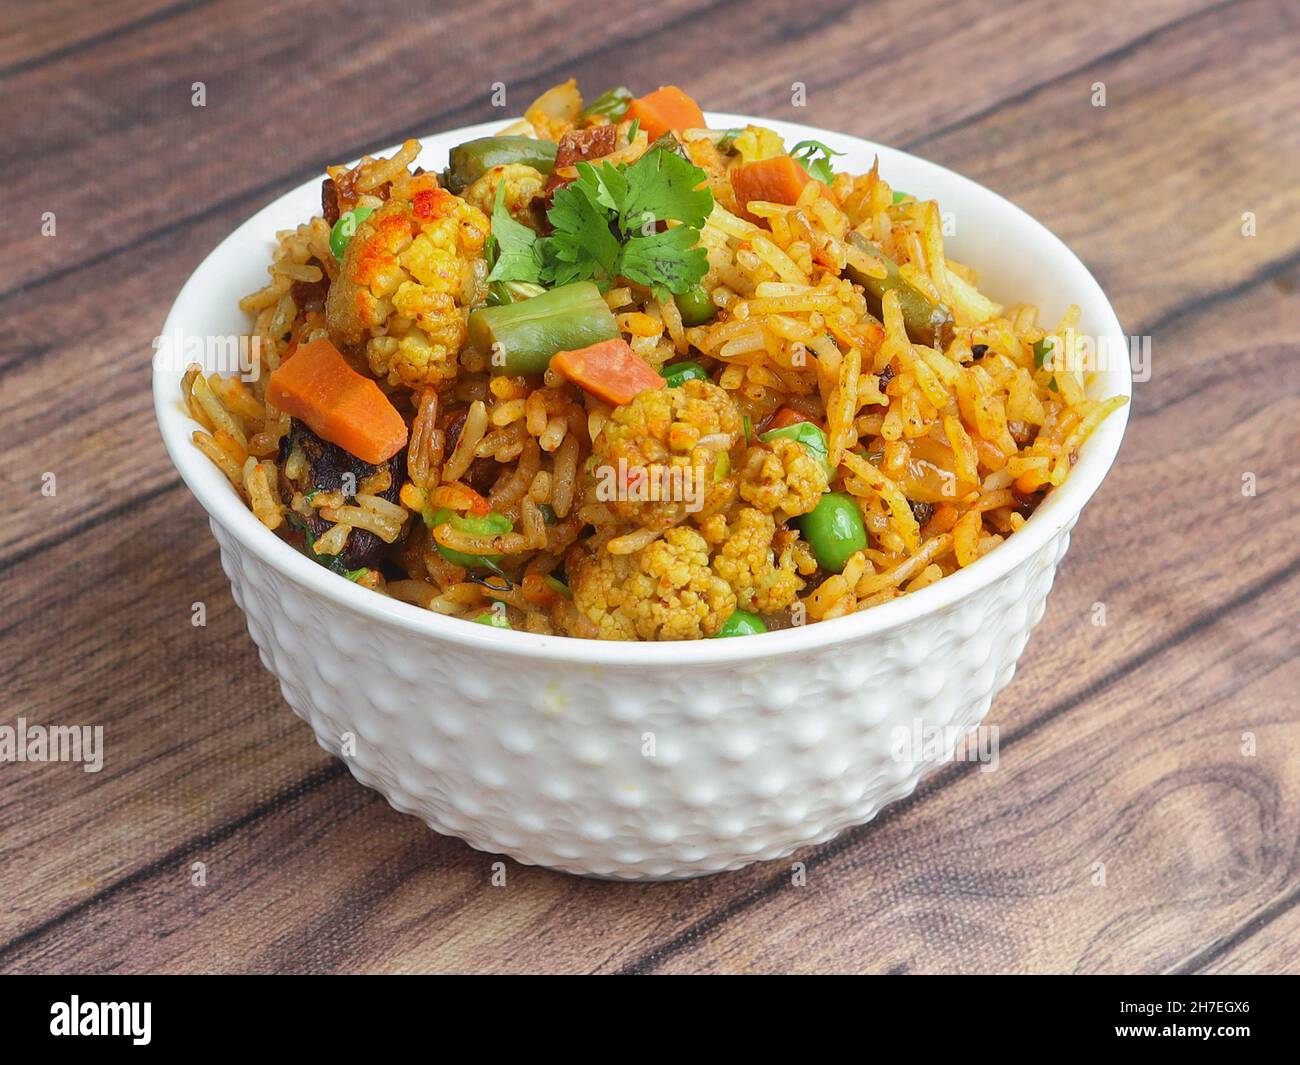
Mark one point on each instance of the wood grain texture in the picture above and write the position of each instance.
(1121, 744)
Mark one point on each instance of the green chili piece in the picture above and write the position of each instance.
(927, 322)
(611, 104)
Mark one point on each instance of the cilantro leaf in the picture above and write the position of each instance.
(582, 245)
(605, 186)
(669, 260)
(662, 185)
(512, 246)
(609, 222)
(815, 157)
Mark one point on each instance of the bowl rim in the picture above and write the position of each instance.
(1055, 514)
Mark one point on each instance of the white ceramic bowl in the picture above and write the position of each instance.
(646, 761)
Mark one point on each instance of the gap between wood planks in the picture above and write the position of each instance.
(1252, 925)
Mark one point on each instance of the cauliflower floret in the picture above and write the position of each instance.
(658, 458)
(782, 478)
(407, 274)
(747, 562)
(419, 356)
(522, 185)
(665, 591)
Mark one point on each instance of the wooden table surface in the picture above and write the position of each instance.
(1164, 744)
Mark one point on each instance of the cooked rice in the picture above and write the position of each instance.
(945, 452)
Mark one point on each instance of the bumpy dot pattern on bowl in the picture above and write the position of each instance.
(633, 772)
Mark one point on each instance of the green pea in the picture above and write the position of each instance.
(834, 530)
(695, 306)
(492, 524)
(741, 623)
(680, 372)
(345, 227)
(810, 436)
(491, 617)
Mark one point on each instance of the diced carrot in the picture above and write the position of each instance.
(787, 416)
(460, 497)
(537, 591)
(318, 387)
(776, 180)
(610, 370)
(664, 109)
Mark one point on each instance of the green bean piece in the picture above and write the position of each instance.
(470, 161)
(500, 292)
(521, 337)
(1042, 349)
(927, 322)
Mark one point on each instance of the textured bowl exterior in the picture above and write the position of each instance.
(650, 773)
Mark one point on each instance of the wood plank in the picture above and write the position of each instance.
(75, 398)
(115, 610)
(1120, 742)
(67, 27)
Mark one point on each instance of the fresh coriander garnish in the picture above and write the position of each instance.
(815, 157)
(607, 224)
(511, 246)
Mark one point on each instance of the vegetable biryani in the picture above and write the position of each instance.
(613, 374)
